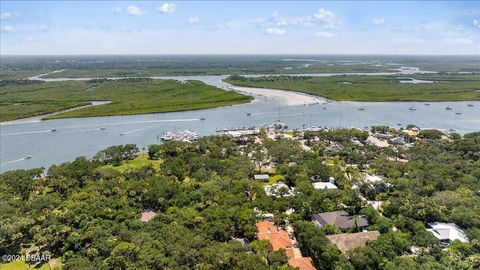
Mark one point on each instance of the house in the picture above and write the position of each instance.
(325, 185)
(376, 182)
(279, 189)
(373, 178)
(339, 219)
(446, 233)
(302, 263)
(350, 241)
(261, 177)
(279, 239)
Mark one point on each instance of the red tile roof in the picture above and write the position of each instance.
(303, 263)
(279, 239)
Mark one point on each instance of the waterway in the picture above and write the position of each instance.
(86, 136)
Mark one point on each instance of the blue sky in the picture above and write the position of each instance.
(197, 27)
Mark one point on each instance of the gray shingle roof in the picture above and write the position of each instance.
(339, 219)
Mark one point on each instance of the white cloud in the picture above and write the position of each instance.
(136, 11)
(275, 31)
(193, 20)
(9, 15)
(42, 28)
(322, 16)
(118, 10)
(378, 21)
(167, 8)
(476, 22)
(8, 29)
(325, 16)
(324, 34)
(459, 41)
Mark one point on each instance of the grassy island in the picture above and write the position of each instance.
(373, 88)
(20, 99)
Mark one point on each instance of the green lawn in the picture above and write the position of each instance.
(139, 162)
(128, 97)
(21, 265)
(373, 88)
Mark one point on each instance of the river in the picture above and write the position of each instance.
(86, 136)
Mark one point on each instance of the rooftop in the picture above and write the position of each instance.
(350, 241)
(302, 263)
(279, 239)
(447, 231)
(339, 219)
(324, 185)
(279, 190)
(261, 177)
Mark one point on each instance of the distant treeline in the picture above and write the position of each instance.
(18, 82)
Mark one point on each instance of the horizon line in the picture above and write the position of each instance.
(240, 54)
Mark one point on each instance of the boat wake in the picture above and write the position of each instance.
(12, 161)
(27, 132)
(137, 130)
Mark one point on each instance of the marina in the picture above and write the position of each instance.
(86, 136)
(181, 136)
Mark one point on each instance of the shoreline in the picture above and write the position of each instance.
(39, 118)
(289, 98)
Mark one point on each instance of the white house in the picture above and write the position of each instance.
(373, 178)
(261, 177)
(279, 189)
(325, 185)
(447, 232)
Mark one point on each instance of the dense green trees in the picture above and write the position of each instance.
(87, 212)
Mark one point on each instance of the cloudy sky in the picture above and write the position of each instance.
(136, 27)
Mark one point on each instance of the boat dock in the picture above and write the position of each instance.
(181, 136)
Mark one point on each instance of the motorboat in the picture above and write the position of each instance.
(412, 109)
(28, 157)
(448, 108)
